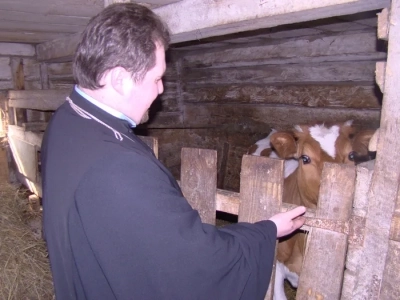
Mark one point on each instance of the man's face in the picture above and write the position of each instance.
(142, 94)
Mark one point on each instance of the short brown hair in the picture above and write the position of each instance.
(121, 35)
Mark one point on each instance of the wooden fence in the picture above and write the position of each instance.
(336, 230)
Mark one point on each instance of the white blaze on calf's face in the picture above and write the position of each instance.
(326, 137)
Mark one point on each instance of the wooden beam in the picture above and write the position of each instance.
(373, 281)
(58, 50)
(39, 99)
(197, 19)
(16, 49)
(327, 96)
(34, 126)
(383, 24)
(351, 46)
(277, 116)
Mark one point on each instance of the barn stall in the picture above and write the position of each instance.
(236, 70)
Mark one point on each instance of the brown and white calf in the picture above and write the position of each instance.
(305, 149)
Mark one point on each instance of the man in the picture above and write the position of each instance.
(116, 223)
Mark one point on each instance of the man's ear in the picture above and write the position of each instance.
(121, 80)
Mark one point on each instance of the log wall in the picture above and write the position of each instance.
(232, 91)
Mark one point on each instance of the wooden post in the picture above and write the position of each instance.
(261, 190)
(322, 273)
(373, 280)
(199, 181)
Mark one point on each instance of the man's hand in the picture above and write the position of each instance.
(289, 221)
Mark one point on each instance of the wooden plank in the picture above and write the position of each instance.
(229, 16)
(44, 76)
(196, 20)
(383, 24)
(17, 49)
(261, 191)
(242, 116)
(261, 188)
(29, 137)
(199, 181)
(335, 203)
(13, 36)
(40, 18)
(5, 70)
(383, 191)
(22, 25)
(361, 71)
(165, 120)
(152, 142)
(243, 62)
(17, 68)
(148, 3)
(40, 100)
(390, 286)
(77, 8)
(307, 46)
(25, 157)
(61, 49)
(351, 96)
(35, 126)
(354, 258)
(380, 75)
(34, 187)
(343, 24)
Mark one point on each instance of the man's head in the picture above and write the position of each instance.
(123, 48)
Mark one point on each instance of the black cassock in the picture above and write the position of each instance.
(118, 227)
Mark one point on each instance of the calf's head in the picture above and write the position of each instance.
(312, 146)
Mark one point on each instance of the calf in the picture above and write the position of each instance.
(305, 149)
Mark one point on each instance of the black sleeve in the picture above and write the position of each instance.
(151, 244)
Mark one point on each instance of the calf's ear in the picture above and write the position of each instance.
(284, 144)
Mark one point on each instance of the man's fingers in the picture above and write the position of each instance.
(296, 212)
(298, 222)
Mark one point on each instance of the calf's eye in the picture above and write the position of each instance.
(305, 159)
(352, 156)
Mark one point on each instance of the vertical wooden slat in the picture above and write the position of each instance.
(261, 189)
(383, 24)
(373, 281)
(152, 142)
(322, 273)
(354, 257)
(199, 181)
(44, 76)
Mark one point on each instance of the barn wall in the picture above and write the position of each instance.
(231, 92)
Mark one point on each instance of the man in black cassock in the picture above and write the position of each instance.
(115, 221)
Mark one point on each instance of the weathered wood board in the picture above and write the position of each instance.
(326, 249)
(199, 181)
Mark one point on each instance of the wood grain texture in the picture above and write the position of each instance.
(362, 71)
(322, 45)
(383, 193)
(280, 117)
(261, 191)
(312, 95)
(199, 181)
(37, 99)
(327, 249)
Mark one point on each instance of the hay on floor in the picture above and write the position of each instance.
(24, 265)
